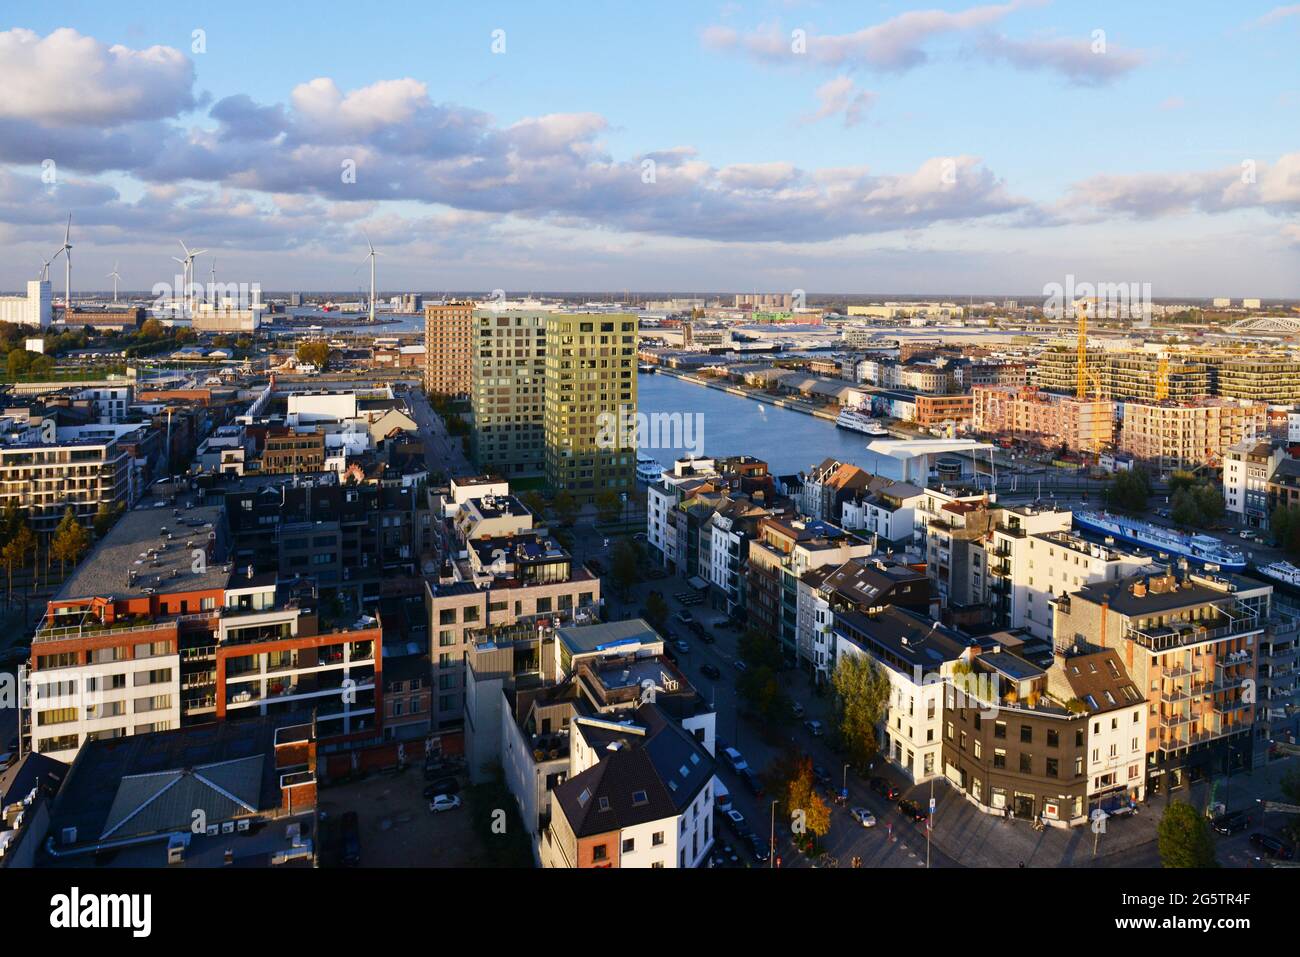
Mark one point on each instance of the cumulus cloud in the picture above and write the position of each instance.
(1081, 61)
(841, 97)
(901, 43)
(1274, 187)
(404, 146)
(66, 78)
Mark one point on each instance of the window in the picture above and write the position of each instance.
(1026, 763)
(657, 839)
(999, 729)
(999, 758)
(639, 798)
(1026, 734)
(1053, 738)
(600, 852)
(1053, 767)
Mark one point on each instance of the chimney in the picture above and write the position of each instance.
(1140, 588)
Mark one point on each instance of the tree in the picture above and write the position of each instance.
(1199, 505)
(656, 609)
(70, 541)
(793, 785)
(535, 503)
(566, 507)
(1129, 491)
(314, 352)
(1181, 479)
(861, 692)
(757, 685)
(41, 366)
(608, 507)
(1184, 838)
(105, 517)
(18, 363)
(152, 329)
(15, 552)
(625, 565)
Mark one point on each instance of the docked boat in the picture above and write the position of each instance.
(1201, 549)
(856, 421)
(648, 470)
(1282, 571)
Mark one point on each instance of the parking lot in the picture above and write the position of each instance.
(397, 829)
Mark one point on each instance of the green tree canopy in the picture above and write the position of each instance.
(70, 542)
(1183, 837)
(861, 692)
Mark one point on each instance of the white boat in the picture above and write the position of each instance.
(1283, 572)
(856, 421)
(648, 470)
(1202, 549)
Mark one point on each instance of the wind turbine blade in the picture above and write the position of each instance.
(67, 232)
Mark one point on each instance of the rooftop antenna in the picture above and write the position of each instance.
(212, 281)
(113, 276)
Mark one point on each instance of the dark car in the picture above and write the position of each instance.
(351, 831)
(1272, 847)
(913, 810)
(1231, 823)
(884, 789)
(441, 786)
(710, 671)
(821, 775)
(752, 782)
(759, 847)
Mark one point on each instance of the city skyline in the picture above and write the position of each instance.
(969, 149)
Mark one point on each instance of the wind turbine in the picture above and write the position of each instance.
(66, 249)
(115, 277)
(371, 257)
(212, 281)
(188, 261)
(45, 267)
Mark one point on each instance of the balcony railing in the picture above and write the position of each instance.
(1182, 634)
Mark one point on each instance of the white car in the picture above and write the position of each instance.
(444, 802)
(815, 728)
(734, 758)
(863, 817)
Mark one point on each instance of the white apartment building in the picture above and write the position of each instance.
(34, 309)
(1029, 567)
(1247, 467)
(889, 513)
(919, 657)
(114, 694)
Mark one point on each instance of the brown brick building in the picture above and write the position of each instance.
(448, 342)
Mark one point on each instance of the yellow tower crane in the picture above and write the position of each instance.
(1162, 378)
(1081, 360)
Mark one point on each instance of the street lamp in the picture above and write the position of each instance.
(771, 840)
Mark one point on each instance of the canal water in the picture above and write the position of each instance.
(724, 424)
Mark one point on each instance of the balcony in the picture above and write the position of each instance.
(1182, 634)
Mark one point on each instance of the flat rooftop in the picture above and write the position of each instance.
(150, 551)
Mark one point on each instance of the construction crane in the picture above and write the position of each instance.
(1081, 357)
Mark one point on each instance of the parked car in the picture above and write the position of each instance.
(863, 817)
(737, 822)
(821, 775)
(1231, 823)
(886, 790)
(442, 786)
(752, 782)
(704, 635)
(1272, 847)
(815, 728)
(710, 671)
(682, 646)
(740, 665)
(759, 847)
(913, 810)
(444, 802)
(735, 759)
(684, 616)
(796, 709)
(721, 797)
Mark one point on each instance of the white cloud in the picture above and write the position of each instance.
(66, 78)
(841, 97)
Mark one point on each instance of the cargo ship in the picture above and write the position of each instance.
(1201, 549)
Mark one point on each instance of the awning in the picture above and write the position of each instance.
(698, 583)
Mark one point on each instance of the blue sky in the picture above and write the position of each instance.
(938, 148)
